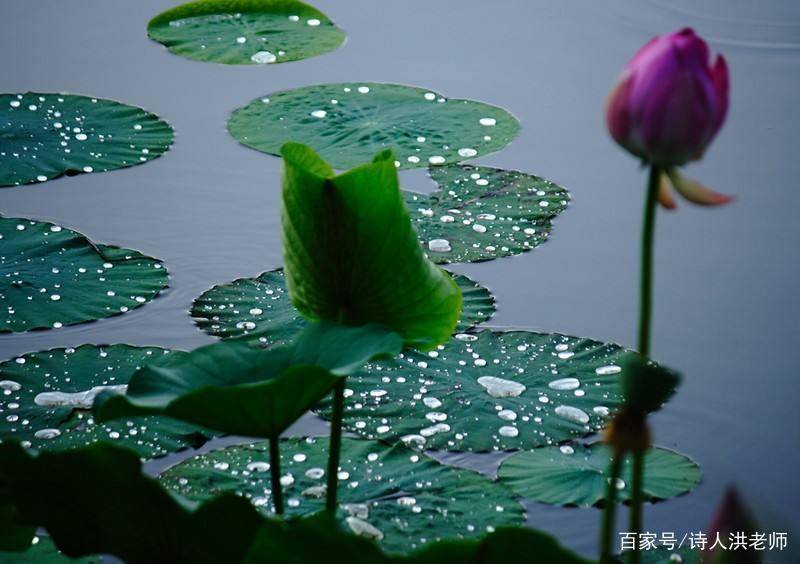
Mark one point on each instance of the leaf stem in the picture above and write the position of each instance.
(645, 315)
(646, 277)
(610, 510)
(335, 446)
(275, 472)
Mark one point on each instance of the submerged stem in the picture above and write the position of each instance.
(610, 510)
(335, 446)
(275, 472)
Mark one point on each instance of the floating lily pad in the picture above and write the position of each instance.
(577, 474)
(487, 391)
(245, 32)
(260, 308)
(51, 276)
(47, 398)
(43, 136)
(348, 123)
(43, 551)
(386, 492)
(481, 213)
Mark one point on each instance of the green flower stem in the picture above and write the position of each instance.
(335, 446)
(645, 315)
(646, 287)
(610, 510)
(275, 473)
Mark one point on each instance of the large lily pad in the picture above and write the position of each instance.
(481, 213)
(389, 493)
(259, 308)
(348, 123)
(487, 391)
(43, 136)
(51, 276)
(577, 474)
(47, 398)
(245, 32)
(352, 255)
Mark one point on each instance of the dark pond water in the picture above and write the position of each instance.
(727, 279)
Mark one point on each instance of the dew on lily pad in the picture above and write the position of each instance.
(48, 396)
(259, 308)
(348, 123)
(389, 494)
(256, 32)
(481, 213)
(51, 277)
(577, 474)
(46, 135)
(486, 391)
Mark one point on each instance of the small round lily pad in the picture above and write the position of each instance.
(245, 32)
(51, 277)
(45, 135)
(259, 308)
(348, 123)
(480, 213)
(578, 474)
(398, 497)
(487, 391)
(46, 400)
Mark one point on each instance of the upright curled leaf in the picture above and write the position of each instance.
(352, 255)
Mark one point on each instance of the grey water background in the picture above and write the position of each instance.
(726, 310)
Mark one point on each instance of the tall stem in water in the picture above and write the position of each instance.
(643, 345)
(335, 446)
(609, 511)
(275, 473)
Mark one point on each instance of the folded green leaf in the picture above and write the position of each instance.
(352, 255)
(234, 388)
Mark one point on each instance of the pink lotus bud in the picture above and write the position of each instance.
(670, 100)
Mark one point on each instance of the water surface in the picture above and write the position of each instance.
(726, 279)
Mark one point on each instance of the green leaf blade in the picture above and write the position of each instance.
(234, 388)
(352, 255)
